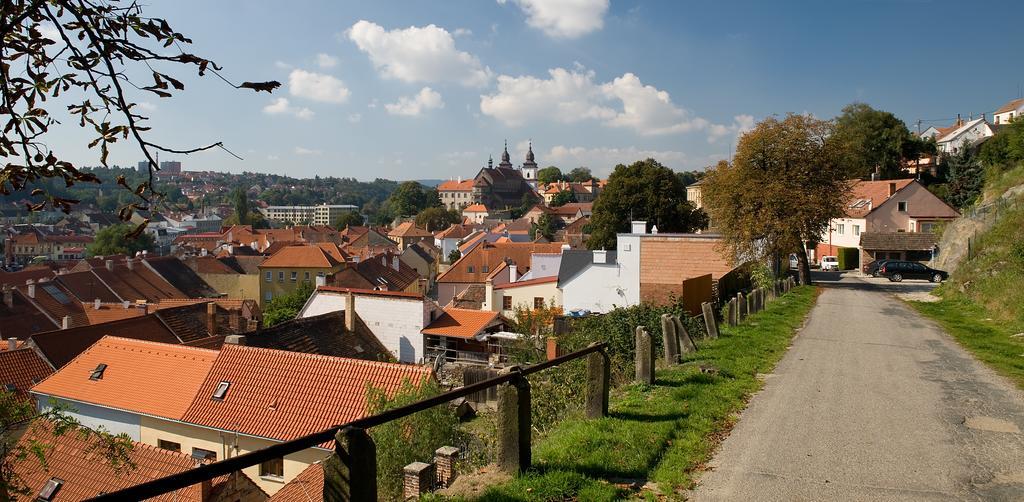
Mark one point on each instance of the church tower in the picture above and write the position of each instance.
(506, 161)
(530, 168)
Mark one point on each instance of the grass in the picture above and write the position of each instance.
(661, 432)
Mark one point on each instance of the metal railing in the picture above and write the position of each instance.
(597, 405)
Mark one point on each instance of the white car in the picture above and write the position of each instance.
(829, 263)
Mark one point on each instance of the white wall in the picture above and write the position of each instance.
(114, 421)
(848, 238)
(542, 265)
(602, 287)
(395, 321)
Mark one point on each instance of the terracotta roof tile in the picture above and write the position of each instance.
(370, 292)
(408, 229)
(865, 196)
(301, 256)
(461, 323)
(1011, 106)
(324, 334)
(87, 287)
(308, 486)
(475, 208)
(23, 318)
(530, 282)
(490, 256)
(152, 378)
(21, 368)
(456, 186)
(111, 312)
(283, 395)
(180, 277)
(61, 346)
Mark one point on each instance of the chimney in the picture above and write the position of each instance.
(126, 304)
(639, 227)
(892, 189)
(395, 264)
(31, 286)
(252, 325)
(12, 343)
(654, 229)
(65, 323)
(97, 304)
(959, 122)
(211, 318)
(350, 312)
(600, 256)
(489, 303)
(8, 297)
(130, 263)
(321, 281)
(513, 270)
(235, 339)
(235, 320)
(110, 265)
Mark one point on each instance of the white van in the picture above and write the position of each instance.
(829, 263)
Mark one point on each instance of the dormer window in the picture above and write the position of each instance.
(97, 374)
(221, 390)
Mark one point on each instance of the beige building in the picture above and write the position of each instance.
(298, 264)
(323, 214)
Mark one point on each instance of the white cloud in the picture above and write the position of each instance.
(307, 151)
(462, 32)
(460, 158)
(416, 54)
(564, 18)
(570, 96)
(317, 87)
(282, 65)
(740, 125)
(601, 160)
(326, 61)
(281, 106)
(411, 106)
(355, 117)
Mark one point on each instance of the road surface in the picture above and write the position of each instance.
(873, 402)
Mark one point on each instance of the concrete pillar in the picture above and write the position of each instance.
(669, 340)
(741, 305)
(751, 308)
(644, 357)
(709, 320)
(418, 478)
(514, 454)
(598, 380)
(351, 473)
(686, 344)
(444, 463)
(732, 313)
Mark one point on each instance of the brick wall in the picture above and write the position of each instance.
(666, 261)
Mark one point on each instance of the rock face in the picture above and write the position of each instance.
(953, 244)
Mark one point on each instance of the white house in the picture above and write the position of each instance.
(968, 134)
(1008, 112)
(601, 280)
(396, 318)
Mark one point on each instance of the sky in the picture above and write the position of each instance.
(429, 90)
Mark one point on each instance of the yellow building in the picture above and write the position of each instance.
(298, 264)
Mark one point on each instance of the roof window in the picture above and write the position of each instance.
(50, 489)
(10, 387)
(221, 390)
(97, 374)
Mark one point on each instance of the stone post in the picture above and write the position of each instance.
(751, 308)
(598, 375)
(514, 425)
(644, 357)
(669, 340)
(418, 479)
(732, 314)
(709, 320)
(351, 473)
(444, 463)
(685, 341)
(741, 304)
(758, 299)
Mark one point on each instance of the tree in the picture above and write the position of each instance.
(286, 307)
(120, 239)
(549, 174)
(580, 175)
(1006, 148)
(349, 219)
(563, 197)
(410, 198)
(437, 218)
(872, 139)
(965, 178)
(240, 203)
(786, 181)
(688, 178)
(92, 48)
(454, 255)
(543, 227)
(643, 190)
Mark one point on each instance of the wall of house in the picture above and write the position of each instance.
(277, 287)
(523, 296)
(603, 286)
(980, 130)
(193, 436)
(668, 259)
(850, 235)
(920, 202)
(235, 285)
(396, 322)
(446, 291)
(94, 417)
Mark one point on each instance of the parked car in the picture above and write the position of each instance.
(829, 263)
(794, 262)
(872, 268)
(897, 270)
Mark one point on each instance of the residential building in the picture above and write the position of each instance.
(584, 192)
(456, 194)
(1008, 112)
(467, 336)
(407, 234)
(693, 194)
(478, 263)
(396, 319)
(328, 334)
(231, 276)
(33, 242)
(529, 294)
(384, 272)
(562, 215)
(360, 237)
(220, 404)
(294, 265)
(424, 258)
(967, 135)
(475, 213)
(20, 368)
(449, 239)
(323, 214)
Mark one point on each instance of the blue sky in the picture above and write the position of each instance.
(417, 89)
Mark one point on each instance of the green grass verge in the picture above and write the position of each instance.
(661, 432)
(989, 339)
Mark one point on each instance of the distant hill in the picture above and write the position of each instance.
(430, 183)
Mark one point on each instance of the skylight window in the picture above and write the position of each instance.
(50, 489)
(57, 294)
(97, 374)
(221, 390)
(10, 387)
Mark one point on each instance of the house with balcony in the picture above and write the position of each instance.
(468, 337)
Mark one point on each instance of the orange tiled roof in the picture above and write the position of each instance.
(461, 323)
(491, 256)
(73, 459)
(875, 192)
(110, 312)
(475, 208)
(308, 486)
(1011, 106)
(22, 368)
(530, 282)
(227, 303)
(153, 378)
(456, 186)
(301, 256)
(283, 395)
(409, 229)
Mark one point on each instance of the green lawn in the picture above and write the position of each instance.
(989, 339)
(661, 433)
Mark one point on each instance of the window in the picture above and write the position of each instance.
(168, 445)
(840, 229)
(280, 276)
(506, 303)
(485, 269)
(268, 296)
(270, 276)
(306, 276)
(221, 390)
(469, 269)
(201, 454)
(97, 374)
(538, 302)
(273, 468)
(901, 206)
(295, 276)
(50, 489)
(319, 274)
(856, 230)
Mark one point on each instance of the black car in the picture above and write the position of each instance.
(897, 270)
(872, 268)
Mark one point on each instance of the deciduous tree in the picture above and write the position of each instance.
(120, 239)
(437, 218)
(349, 219)
(872, 139)
(549, 174)
(580, 175)
(563, 197)
(286, 307)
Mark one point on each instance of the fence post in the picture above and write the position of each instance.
(741, 303)
(644, 357)
(685, 341)
(598, 375)
(758, 299)
(514, 454)
(350, 474)
(709, 320)
(669, 340)
(732, 311)
(417, 478)
(751, 308)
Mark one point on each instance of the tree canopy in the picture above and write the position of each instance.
(286, 307)
(874, 139)
(543, 227)
(580, 175)
(240, 203)
(120, 239)
(563, 197)
(549, 174)
(643, 190)
(349, 219)
(785, 183)
(437, 218)
(409, 199)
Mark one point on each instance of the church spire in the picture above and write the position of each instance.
(506, 161)
(529, 153)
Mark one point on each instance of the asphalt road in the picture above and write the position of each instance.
(873, 402)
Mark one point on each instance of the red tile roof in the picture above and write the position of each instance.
(456, 231)
(152, 378)
(456, 186)
(370, 292)
(461, 323)
(1011, 106)
(492, 256)
(301, 256)
(530, 282)
(308, 486)
(875, 192)
(475, 208)
(22, 368)
(284, 395)
(408, 229)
